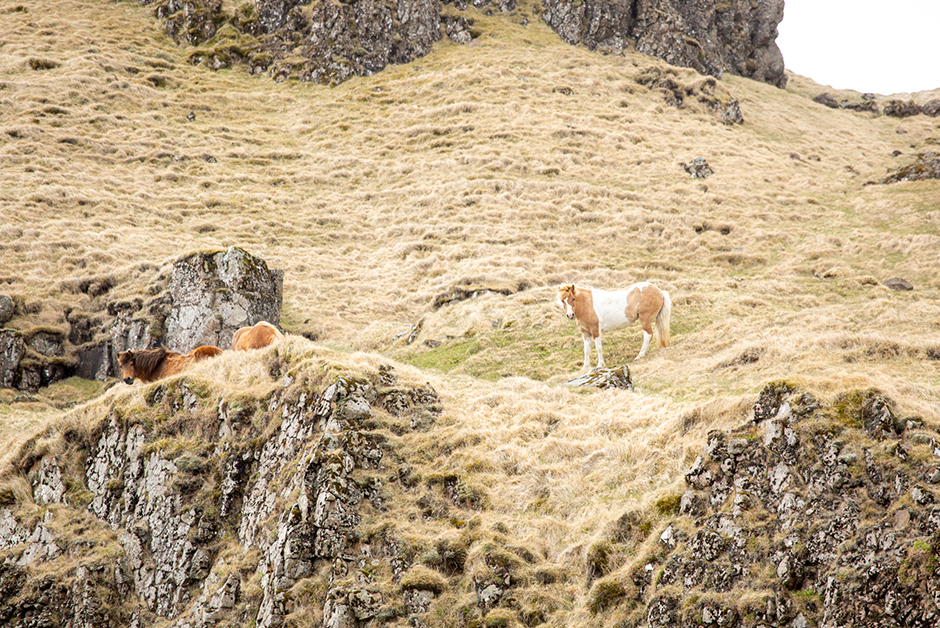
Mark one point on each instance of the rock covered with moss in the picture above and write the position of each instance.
(305, 505)
(201, 509)
(329, 42)
(614, 377)
(712, 37)
(809, 515)
(926, 166)
(208, 296)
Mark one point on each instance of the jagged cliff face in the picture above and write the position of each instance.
(328, 42)
(292, 504)
(736, 36)
(824, 516)
(209, 508)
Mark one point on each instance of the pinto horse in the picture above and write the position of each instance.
(598, 311)
(256, 337)
(149, 365)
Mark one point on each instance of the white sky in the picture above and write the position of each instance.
(884, 47)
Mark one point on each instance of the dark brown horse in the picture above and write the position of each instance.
(149, 365)
(261, 335)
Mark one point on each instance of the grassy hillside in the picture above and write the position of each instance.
(518, 163)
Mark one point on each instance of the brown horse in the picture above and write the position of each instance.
(149, 365)
(256, 337)
(598, 311)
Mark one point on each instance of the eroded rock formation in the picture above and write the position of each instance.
(328, 42)
(713, 37)
(204, 509)
(213, 294)
(826, 516)
(282, 479)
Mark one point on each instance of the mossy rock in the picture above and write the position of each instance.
(420, 578)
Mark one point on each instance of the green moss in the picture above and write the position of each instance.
(921, 563)
(419, 577)
(669, 504)
(500, 618)
(604, 594)
(598, 557)
(847, 408)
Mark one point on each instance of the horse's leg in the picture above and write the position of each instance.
(587, 352)
(600, 352)
(647, 321)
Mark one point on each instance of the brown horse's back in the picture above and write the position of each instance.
(256, 337)
(203, 352)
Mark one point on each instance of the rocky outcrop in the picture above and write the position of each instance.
(713, 37)
(296, 505)
(927, 166)
(283, 479)
(208, 297)
(902, 108)
(827, 516)
(323, 42)
(894, 108)
(213, 294)
(338, 40)
(329, 42)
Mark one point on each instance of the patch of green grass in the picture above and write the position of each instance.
(447, 356)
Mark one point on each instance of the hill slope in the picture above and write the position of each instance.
(519, 163)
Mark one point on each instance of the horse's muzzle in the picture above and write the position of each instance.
(570, 316)
(128, 380)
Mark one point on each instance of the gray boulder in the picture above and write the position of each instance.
(901, 108)
(931, 108)
(213, 294)
(616, 377)
(12, 350)
(827, 99)
(7, 309)
(698, 168)
(899, 284)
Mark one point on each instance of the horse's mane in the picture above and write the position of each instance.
(148, 361)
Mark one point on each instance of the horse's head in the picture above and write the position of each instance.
(566, 300)
(128, 370)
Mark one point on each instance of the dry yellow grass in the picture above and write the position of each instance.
(518, 160)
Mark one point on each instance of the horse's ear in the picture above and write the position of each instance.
(571, 288)
(126, 357)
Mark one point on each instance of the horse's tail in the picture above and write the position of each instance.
(662, 320)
